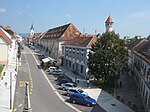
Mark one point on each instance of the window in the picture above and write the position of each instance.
(81, 68)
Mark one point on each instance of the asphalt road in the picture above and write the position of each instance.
(43, 98)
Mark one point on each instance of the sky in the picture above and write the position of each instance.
(130, 17)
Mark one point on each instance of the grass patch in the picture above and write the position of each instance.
(1, 68)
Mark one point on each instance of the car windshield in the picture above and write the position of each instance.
(80, 90)
(87, 97)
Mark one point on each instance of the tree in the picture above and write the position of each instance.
(107, 58)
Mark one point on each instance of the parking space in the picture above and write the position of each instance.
(53, 78)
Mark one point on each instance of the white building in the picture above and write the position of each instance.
(75, 53)
(141, 70)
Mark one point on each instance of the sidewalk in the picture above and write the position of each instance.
(80, 80)
(9, 73)
(128, 93)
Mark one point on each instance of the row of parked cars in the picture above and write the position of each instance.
(75, 94)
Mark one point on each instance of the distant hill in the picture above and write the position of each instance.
(23, 34)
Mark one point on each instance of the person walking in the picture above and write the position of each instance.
(6, 84)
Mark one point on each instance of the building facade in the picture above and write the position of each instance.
(52, 40)
(5, 46)
(141, 70)
(75, 54)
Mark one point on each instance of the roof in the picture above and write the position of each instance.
(60, 32)
(56, 32)
(83, 41)
(134, 44)
(143, 50)
(9, 30)
(109, 104)
(5, 36)
(109, 20)
(37, 35)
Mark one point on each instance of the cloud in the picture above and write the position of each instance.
(2, 10)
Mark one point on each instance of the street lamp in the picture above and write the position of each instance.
(27, 105)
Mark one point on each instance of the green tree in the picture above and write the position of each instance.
(107, 58)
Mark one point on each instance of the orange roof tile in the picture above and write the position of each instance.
(4, 36)
(109, 20)
(81, 41)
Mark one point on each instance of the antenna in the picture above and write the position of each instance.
(95, 30)
(83, 30)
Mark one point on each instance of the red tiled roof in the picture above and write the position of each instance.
(143, 50)
(109, 20)
(65, 32)
(82, 40)
(7, 28)
(134, 44)
(56, 32)
(4, 36)
(37, 35)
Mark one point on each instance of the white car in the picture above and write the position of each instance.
(54, 70)
(75, 90)
(66, 86)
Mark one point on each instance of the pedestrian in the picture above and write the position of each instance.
(120, 84)
(88, 83)
(6, 84)
(15, 76)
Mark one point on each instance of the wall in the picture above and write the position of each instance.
(3, 52)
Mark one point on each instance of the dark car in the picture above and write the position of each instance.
(63, 79)
(82, 99)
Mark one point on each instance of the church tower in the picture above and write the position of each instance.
(32, 30)
(109, 24)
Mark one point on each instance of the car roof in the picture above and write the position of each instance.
(74, 88)
(52, 67)
(78, 94)
(70, 83)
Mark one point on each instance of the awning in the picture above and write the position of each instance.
(45, 60)
(48, 59)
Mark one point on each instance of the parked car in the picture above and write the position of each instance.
(37, 50)
(75, 90)
(66, 86)
(82, 99)
(32, 47)
(55, 71)
(63, 79)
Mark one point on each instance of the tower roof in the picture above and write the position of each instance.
(32, 26)
(109, 20)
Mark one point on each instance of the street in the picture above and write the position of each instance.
(43, 98)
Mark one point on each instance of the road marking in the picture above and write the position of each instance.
(32, 86)
(20, 105)
(22, 83)
(15, 110)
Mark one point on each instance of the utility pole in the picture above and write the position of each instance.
(27, 105)
(10, 90)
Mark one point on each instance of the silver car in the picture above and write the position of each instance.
(66, 86)
(75, 90)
